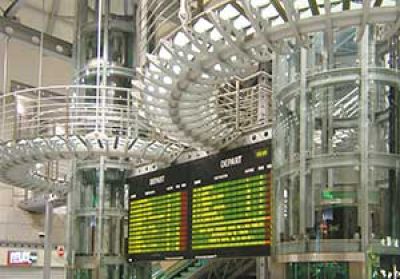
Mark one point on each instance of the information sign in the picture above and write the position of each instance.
(218, 206)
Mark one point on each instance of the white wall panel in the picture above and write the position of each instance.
(31, 273)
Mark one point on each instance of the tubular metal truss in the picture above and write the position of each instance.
(183, 76)
(58, 123)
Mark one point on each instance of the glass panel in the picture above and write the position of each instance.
(345, 48)
(334, 112)
(326, 270)
(289, 209)
(384, 201)
(288, 66)
(288, 128)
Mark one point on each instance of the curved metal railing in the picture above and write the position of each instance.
(64, 110)
(73, 121)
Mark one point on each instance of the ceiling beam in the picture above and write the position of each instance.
(279, 8)
(346, 4)
(51, 20)
(314, 7)
(293, 17)
(13, 8)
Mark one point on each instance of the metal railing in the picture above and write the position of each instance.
(70, 110)
(157, 19)
(182, 269)
(246, 108)
(41, 128)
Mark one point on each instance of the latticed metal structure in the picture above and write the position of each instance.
(333, 67)
(48, 124)
(335, 86)
(82, 139)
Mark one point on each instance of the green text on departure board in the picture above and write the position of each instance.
(158, 224)
(235, 213)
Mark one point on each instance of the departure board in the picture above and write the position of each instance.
(158, 216)
(159, 224)
(218, 206)
(232, 214)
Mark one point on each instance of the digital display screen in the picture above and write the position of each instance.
(232, 214)
(159, 224)
(218, 206)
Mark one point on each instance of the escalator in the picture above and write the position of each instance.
(208, 269)
(181, 270)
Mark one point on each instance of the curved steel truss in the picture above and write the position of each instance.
(183, 96)
(184, 75)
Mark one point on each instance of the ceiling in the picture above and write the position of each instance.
(54, 17)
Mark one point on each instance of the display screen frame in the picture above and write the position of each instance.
(246, 161)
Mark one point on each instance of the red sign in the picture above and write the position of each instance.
(60, 251)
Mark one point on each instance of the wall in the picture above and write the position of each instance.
(56, 260)
(17, 225)
(23, 61)
(32, 272)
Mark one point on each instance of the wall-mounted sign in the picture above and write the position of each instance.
(219, 206)
(60, 251)
(21, 258)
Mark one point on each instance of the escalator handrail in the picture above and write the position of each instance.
(170, 272)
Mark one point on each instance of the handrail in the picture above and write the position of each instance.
(176, 269)
(55, 110)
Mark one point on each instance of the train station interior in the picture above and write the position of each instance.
(199, 139)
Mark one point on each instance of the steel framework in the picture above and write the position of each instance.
(339, 52)
(184, 74)
(53, 123)
(195, 93)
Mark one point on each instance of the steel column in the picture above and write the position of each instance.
(5, 87)
(303, 141)
(143, 271)
(71, 205)
(100, 215)
(262, 268)
(48, 227)
(363, 214)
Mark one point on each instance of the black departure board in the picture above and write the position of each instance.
(218, 206)
(232, 214)
(159, 224)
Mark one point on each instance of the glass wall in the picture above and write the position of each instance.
(98, 220)
(336, 161)
(104, 66)
(325, 270)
